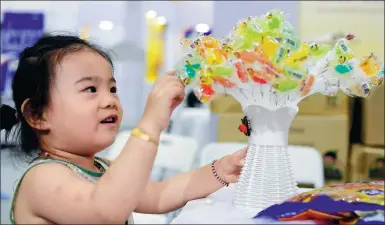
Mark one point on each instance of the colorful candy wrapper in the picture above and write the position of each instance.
(351, 203)
(266, 50)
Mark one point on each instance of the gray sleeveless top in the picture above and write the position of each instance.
(90, 176)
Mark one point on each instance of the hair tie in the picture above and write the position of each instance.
(8, 117)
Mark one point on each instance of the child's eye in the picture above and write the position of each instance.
(90, 89)
(113, 90)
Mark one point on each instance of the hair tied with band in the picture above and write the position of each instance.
(8, 117)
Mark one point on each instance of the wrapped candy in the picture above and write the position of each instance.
(266, 50)
(352, 203)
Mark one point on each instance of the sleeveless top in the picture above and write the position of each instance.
(88, 175)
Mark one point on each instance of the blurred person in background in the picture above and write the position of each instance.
(377, 171)
(331, 172)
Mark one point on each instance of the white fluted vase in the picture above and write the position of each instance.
(267, 177)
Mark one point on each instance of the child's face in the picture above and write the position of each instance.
(83, 94)
(328, 160)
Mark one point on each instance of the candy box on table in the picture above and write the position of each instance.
(352, 203)
(366, 163)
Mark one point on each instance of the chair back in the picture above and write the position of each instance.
(174, 152)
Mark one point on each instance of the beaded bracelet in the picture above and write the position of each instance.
(225, 184)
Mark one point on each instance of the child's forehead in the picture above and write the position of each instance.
(83, 63)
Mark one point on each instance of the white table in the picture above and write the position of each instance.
(217, 208)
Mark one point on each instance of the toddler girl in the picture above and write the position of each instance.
(67, 110)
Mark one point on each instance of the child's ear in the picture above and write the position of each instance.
(40, 124)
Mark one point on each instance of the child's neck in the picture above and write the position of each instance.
(87, 162)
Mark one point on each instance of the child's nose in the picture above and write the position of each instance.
(109, 101)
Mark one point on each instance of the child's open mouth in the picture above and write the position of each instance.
(111, 119)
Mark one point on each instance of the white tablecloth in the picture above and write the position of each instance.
(217, 208)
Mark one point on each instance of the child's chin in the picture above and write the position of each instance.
(107, 142)
(102, 141)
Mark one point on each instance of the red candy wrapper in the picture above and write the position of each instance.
(351, 203)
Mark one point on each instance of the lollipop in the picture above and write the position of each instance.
(264, 65)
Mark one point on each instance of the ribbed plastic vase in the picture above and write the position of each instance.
(267, 176)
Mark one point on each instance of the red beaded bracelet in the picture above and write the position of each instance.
(225, 184)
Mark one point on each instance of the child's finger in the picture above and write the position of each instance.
(171, 73)
(241, 153)
(244, 152)
(235, 160)
(238, 160)
(241, 162)
(241, 156)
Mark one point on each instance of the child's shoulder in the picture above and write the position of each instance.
(47, 185)
(44, 175)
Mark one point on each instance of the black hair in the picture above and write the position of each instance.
(32, 80)
(332, 154)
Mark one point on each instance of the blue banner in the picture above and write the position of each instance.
(18, 31)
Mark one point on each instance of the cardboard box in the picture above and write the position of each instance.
(227, 127)
(362, 18)
(319, 104)
(316, 104)
(225, 104)
(373, 118)
(328, 134)
(366, 163)
(321, 20)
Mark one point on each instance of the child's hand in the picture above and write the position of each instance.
(229, 167)
(167, 93)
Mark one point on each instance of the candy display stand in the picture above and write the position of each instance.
(268, 70)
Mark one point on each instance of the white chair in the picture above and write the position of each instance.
(163, 167)
(194, 123)
(188, 121)
(307, 165)
(113, 151)
(217, 150)
(307, 162)
(175, 153)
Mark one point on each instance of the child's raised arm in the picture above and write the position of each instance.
(119, 190)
